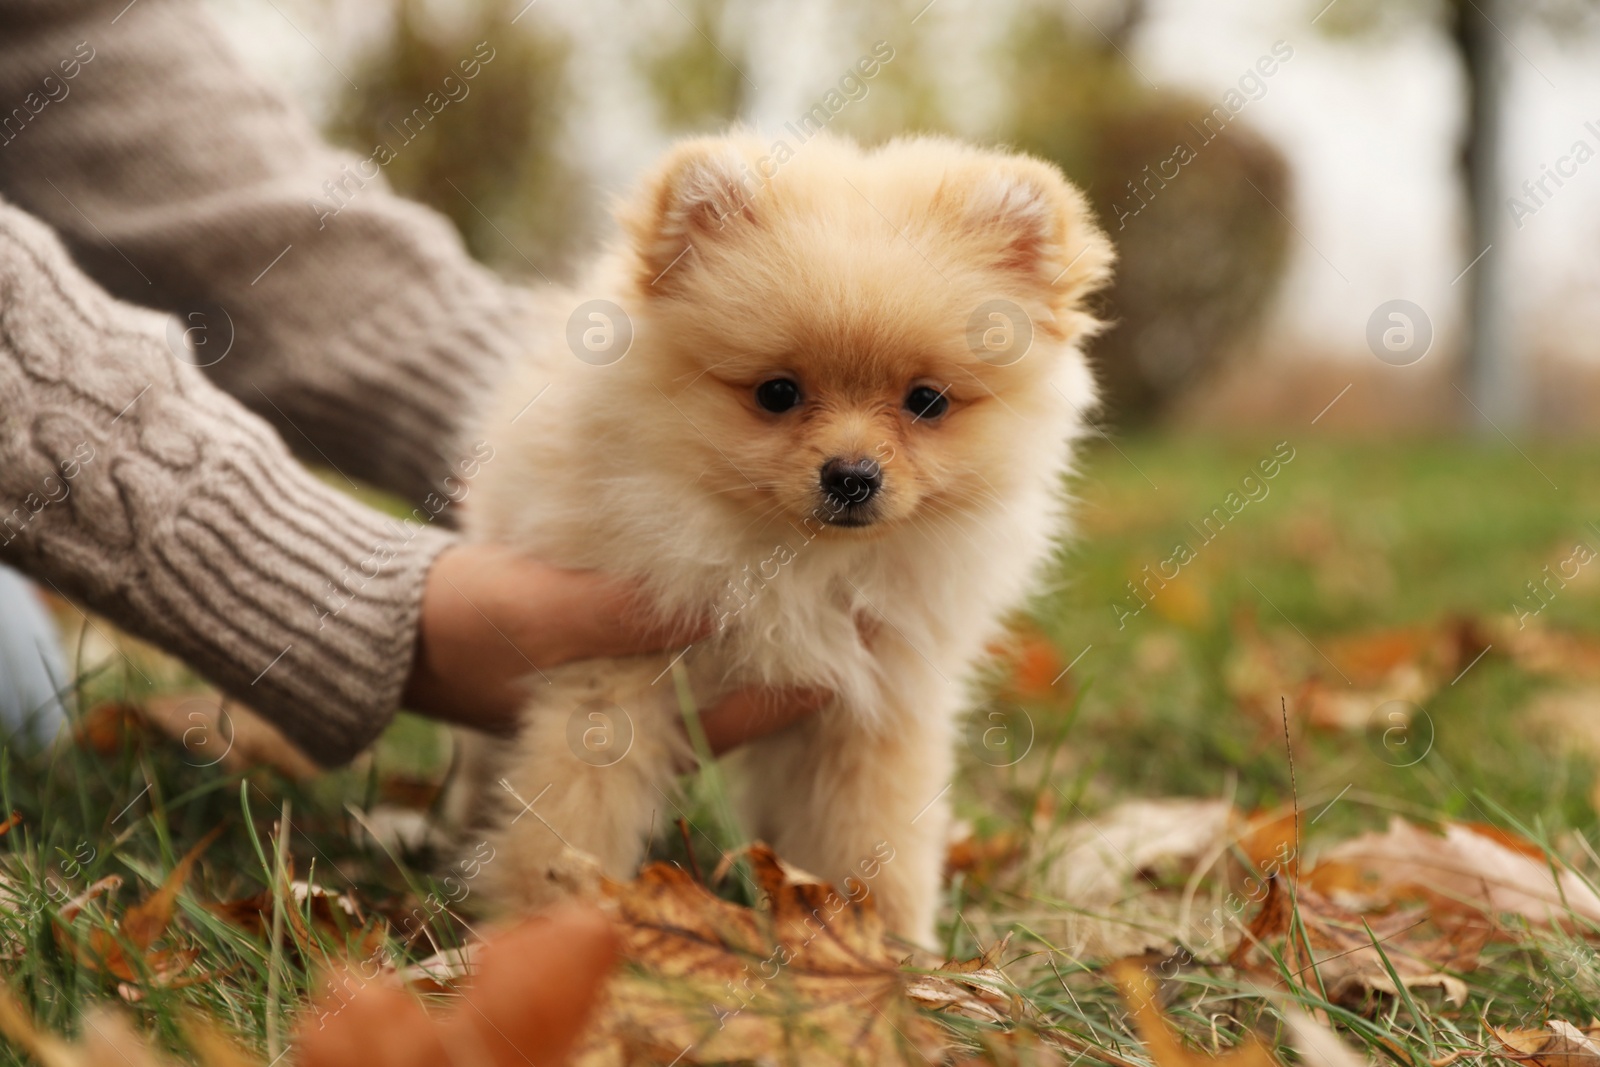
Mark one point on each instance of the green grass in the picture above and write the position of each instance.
(1351, 537)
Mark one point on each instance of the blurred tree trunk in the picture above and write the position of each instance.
(1492, 372)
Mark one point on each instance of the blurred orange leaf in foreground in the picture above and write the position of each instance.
(536, 987)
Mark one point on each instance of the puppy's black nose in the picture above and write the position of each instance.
(851, 481)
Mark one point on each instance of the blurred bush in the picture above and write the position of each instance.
(694, 76)
(1201, 253)
(907, 95)
(489, 157)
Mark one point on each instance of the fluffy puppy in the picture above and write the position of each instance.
(848, 390)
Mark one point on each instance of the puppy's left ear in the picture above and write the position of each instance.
(1026, 220)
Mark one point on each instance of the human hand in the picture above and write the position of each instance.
(491, 617)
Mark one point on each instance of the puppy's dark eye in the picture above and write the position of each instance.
(778, 395)
(926, 402)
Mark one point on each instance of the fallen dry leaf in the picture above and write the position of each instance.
(1568, 719)
(1558, 1044)
(334, 916)
(442, 971)
(1031, 664)
(979, 860)
(709, 981)
(1099, 859)
(1341, 682)
(1540, 649)
(1321, 942)
(1471, 867)
(102, 948)
(975, 997)
(1437, 651)
(1318, 1046)
(1268, 841)
(211, 730)
(1121, 874)
(977, 989)
(20, 1031)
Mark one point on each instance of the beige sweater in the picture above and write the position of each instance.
(140, 168)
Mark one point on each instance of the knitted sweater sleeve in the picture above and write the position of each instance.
(157, 492)
(131, 484)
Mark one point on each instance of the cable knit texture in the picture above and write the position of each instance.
(142, 486)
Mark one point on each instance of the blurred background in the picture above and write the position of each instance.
(1275, 174)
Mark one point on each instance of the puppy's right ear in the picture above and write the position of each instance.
(702, 189)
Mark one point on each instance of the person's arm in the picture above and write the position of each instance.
(131, 485)
(179, 181)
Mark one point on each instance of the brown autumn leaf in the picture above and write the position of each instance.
(709, 981)
(211, 730)
(1340, 948)
(103, 949)
(1339, 683)
(1465, 867)
(1267, 840)
(214, 730)
(694, 963)
(1100, 859)
(1541, 649)
(1318, 1045)
(1436, 650)
(1015, 1033)
(981, 859)
(1132, 875)
(1567, 719)
(1031, 663)
(977, 988)
(1325, 704)
(1557, 1044)
(975, 996)
(334, 916)
(1138, 991)
(107, 727)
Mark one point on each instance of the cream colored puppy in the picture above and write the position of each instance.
(848, 390)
